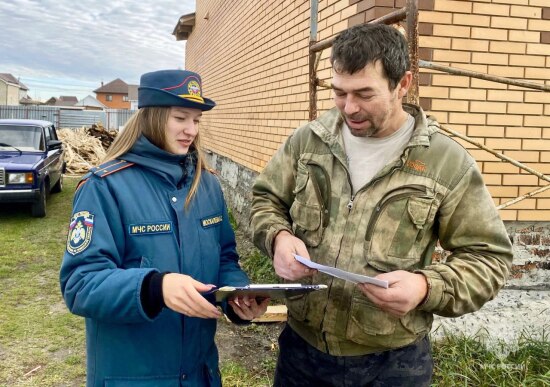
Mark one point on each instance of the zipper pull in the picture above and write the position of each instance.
(350, 203)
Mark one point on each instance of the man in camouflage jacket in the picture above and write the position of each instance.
(305, 203)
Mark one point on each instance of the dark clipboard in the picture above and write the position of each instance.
(263, 291)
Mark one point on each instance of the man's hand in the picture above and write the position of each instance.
(248, 308)
(182, 294)
(284, 263)
(406, 291)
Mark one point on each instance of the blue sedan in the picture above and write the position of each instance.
(31, 163)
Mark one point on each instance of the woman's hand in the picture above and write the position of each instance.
(182, 294)
(248, 308)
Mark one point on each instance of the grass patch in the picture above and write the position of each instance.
(235, 375)
(466, 361)
(259, 268)
(41, 343)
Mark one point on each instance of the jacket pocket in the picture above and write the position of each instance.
(368, 321)
(417, 322)
(395, 235)
(412, 226)
(298, 305)
(307, 210)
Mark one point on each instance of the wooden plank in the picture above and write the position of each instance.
(274, 313)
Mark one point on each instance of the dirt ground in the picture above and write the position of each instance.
(253, 346)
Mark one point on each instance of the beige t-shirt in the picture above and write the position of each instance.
(368, 155)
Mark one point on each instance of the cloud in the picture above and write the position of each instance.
(89, 41)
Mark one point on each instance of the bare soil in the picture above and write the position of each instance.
(253, 346)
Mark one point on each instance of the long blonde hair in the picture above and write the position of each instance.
(151, 122)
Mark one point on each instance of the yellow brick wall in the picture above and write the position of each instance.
(508, 38)
(253, 56)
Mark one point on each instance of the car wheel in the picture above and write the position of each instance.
(58, 187)
(38, 208)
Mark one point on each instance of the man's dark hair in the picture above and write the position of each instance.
(363, 44)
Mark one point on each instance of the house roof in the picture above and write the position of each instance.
(64, 100)
(185, 26)
(68, 99)
(8, 78)
(118, 86)
(89, 101)
(26, 100)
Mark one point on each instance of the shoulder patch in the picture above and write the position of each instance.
(80, 232)
(111, 167)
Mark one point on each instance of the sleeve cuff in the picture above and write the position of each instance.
(434, 296)
(271, 234)
(152, 298)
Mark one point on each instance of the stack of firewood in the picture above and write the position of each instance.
(105, 136)
(85, 147)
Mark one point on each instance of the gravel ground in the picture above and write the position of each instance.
(503, 319)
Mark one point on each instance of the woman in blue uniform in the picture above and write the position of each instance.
(149, 235)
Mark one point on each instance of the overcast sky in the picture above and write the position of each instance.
(62, 47)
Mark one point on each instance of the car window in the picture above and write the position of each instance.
(48, 134)
(25, 138)
(53, 133)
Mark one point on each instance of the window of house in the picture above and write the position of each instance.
(108, 97)
(125, 98)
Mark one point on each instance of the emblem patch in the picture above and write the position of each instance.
(208, 222)
(194, 89)
(417, 165)
(80, 232)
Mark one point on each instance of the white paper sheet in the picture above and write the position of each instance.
(342, 274)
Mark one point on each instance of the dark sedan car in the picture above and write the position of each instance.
(31, 163)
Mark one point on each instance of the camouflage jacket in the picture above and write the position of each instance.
(434, 191)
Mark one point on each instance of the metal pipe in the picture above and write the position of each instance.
(314, 5)
(314, 9)
(487, 77)
(412, 40)
(527, 195)
(499, 155)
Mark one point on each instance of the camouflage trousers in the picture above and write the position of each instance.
(300, 364)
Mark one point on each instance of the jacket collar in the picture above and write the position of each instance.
(329, 124)
(170, 166)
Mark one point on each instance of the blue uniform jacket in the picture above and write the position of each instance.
(128, 220)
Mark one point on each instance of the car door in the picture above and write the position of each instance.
(54, 157)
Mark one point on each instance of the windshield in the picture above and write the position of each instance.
(25, 138)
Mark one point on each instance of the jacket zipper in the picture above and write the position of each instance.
(387, 200)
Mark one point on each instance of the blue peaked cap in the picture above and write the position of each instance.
(172, 88)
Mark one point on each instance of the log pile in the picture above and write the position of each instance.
(85, 147)
(105, 136)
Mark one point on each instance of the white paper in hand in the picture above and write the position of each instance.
(342, 274)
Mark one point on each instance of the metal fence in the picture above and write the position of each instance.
(64, 117)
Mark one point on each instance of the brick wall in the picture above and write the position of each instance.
(253, 56)
(508, 38)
